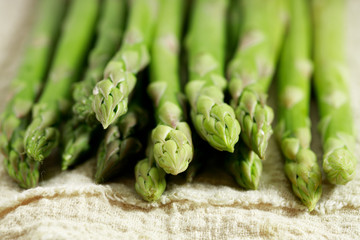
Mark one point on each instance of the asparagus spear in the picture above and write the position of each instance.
(330, 81)
(245, 165)
(293, 130)
(80, 127)
(26, 85)
(21, 168)
(252, 67)
(150, 182)
(41, 135)
(109, 33)
(234, 20)
(171, 138)
(111, 94)
(213, 119)
(76, 139)
(120, 143)
(32, 70)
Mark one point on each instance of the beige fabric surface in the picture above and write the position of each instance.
(68, 205)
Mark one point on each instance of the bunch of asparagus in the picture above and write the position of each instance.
(111, 93)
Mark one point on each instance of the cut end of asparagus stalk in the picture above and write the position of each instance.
(173, 150)
(216, 123)
(255, 120)
(339, 166)
(150, 180)
(305, 176)
(40, 143)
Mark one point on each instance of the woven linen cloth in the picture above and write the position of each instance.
(69, 205)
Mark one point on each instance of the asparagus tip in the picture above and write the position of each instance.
(173, 150)
(150, 180)
(40, 144)
(339, 166)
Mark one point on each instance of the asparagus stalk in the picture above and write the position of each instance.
(213, 119)
(121, 143)
(32, 70)
(234, 20)
(293, 130)
(41, 135)
(76, 138)
(111, 94)
(150, 182)
(171, 138)
(330, 81)
(21, 168)
(26, 85)
(109, 32)
(252, 67)
(245, 165)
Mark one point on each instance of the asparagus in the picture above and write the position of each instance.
(330, 80)
(109, 32)
(252, 67)
(33, 69)
(41, 136)
(111, 94)
(21, 168)
(171, 138)
(234, 20)
(76, 138)
(245, 165)
(150, 182)
(120, 143)
(293, 130)
(213, 119)
(26, 86)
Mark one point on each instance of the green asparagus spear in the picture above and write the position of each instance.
(109, 33)
(33, 68)
(171, 138)
(252, 67)
(41, 135)
(245, 165)
(120, 143)
(150, 182)
(76, 138)
(24, 170)
(234, 20)
(213, 119)
(26, 85)
(333, 98)
(111, 93)
(293, 130)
